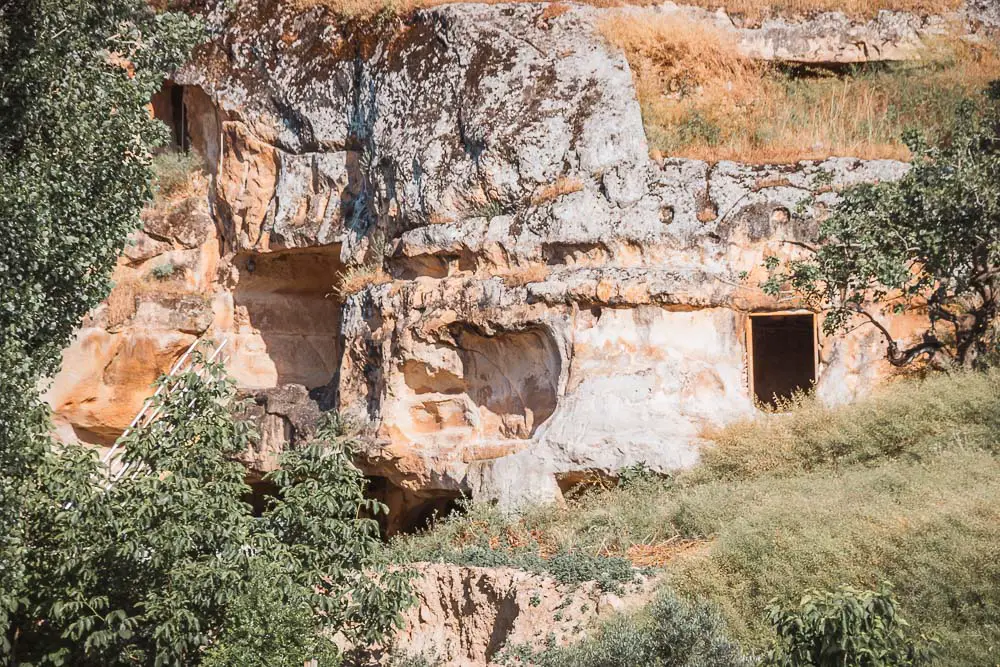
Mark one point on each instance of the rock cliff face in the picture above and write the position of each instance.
(449, 228)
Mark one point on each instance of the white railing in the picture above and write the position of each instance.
(146, 415)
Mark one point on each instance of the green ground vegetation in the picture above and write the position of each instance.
(900, 487)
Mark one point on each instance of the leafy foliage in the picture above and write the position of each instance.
(668, 633)
(171, 560)
(929, 242)
(75, 143)
(844, 628)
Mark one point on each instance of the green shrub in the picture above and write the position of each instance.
(667, 633)
(639, 474)
(172, 172)
(263, 629)
(844, 628)
(169, 565)
(163, 271)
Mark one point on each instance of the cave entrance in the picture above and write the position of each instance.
(168, 106)
(782, 355)
(409, 511)
(260, 495)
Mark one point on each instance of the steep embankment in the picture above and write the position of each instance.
(501, 238)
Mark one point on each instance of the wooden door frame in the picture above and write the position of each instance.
(777, 313)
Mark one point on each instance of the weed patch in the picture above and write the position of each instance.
(177, 175)
(907, 420)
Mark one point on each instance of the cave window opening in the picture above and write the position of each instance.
(410, 512)
(782, 356)
(168, 107)
(288, 297)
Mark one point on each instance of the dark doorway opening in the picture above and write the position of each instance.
(168, 106)
(783, 356)
(260, 495)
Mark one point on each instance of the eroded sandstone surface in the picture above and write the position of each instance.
(448, 228)
(465, 616)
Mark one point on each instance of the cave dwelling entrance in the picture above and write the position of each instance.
(783, 355)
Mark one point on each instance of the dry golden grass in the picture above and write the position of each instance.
(178, 176)
(553, 10)
(122, 303)
(660, 554)
(356, 278)
(755, 10)
(563, 186)
(701, 98)
(129, 289)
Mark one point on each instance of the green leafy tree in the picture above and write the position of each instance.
(927, 243)
(844, 628)
(75, 142)
(169, 566)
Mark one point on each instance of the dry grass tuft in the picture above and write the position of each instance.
(756, 10)
(129, 289)
(675, 60)
(701, 98)
(551, 11)
(356, 278)
(563, 186)
(122, 303)
(178, 176)
(663, 553)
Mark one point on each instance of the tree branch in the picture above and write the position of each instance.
(930, 345)
(799, 244)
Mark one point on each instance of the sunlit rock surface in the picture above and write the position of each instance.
(449, 230)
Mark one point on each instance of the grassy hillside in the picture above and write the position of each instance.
(902, 487)
(701, 98)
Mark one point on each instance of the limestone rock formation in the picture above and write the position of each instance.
(448, 228)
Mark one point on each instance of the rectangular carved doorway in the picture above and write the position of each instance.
(782, 353)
